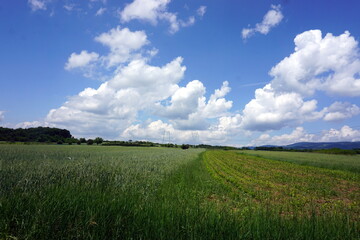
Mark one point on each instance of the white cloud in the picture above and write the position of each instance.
(346, 133)
(299, 134)
(159, 131)
(329, 64)
(270, 110)
(103, 1)
(318, 64)
(148, 10)
(112, 107)
(189, 110)
(81, 60)
(217, 105)
(340, 111)
(184, 101)
(272, 18)
(123, 43)
(33, 124)
(37, 4)
(201, 11)
(152, 11)
(100, 12)
(138, 89)
(2, 115)
(69, 7)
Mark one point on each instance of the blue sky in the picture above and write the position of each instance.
(218, 72)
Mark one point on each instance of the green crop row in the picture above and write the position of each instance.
(330, 161)
(293, 188)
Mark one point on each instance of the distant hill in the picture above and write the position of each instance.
(323, 145)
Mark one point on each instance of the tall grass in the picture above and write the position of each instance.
(90, 192)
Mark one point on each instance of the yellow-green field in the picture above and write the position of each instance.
(97, 192)
(330, 161)
(289, 188)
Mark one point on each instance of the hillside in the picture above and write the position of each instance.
(323, 145)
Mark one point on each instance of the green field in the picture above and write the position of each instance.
(97, 192)
(330, 161)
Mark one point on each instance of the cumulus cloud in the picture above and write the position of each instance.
(189, 110)
(33, 124)
(346, 133)
(159, 131)
(339, 111)
(272, 18)
(152, 11)
(124, 46)
(81, 60)
(299, 134)
(148, 10)
(330, 64)
(184, 101)
(123, 43)
(37, 4)
(326, 64)
(270, 110)
(112, 107)
(138, 88)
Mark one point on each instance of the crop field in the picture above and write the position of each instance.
(330, 161)
(97, 192)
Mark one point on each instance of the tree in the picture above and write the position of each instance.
(82, 140)
(185, 146)
(90, 142)
(98, 140)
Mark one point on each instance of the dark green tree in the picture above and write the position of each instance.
(98, 140)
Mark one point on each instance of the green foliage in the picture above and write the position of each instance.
(98, 140)
(337, 151)
(185, 146)
(39, 134)
(90, 142)
(215, 147)
(130, 143)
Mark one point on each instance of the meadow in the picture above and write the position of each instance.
(330, 161)
(97, 192)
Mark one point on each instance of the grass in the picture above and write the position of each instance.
(329, 161)
(282, 191)
(94, 192)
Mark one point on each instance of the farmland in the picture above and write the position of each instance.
(330, 161)
(97, 192)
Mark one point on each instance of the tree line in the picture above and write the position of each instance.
(43, 135)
